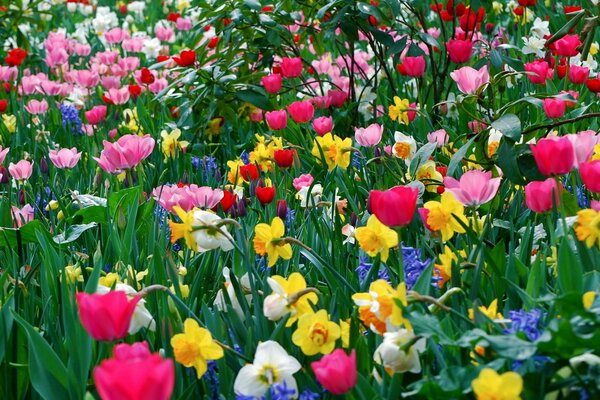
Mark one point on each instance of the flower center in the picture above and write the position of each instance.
(268, 374)
(438, 218)
(402, 150)
(318, 334)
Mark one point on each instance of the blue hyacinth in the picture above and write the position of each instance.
(364, 267)
(526, 322)
(413, 265)
(70, 116)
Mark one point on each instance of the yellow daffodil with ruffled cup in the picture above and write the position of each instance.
(379, 309)
(587, 227)
(443, 270)
(289, 297)
(443, 216)
(264, 152)
(195, 346)
(335, 151)
(489, 385)
(399, 110)
(316, 333)
(376, 238)
(268, 240)
(171, 143)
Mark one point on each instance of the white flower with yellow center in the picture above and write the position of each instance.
(405, 147)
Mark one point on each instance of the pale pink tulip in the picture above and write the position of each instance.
(22, 170)
(37, 107)
(583, 145)
(369, 136)
(474, 188)
(127, 152)
(187, 197)
(439, 137)
(64, 158)
(469, 79)
(3, 153)
(21, 216)
(118, 96)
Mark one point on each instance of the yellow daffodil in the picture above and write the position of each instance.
(379, 309)
(376, 238)
(73, 274)
(443, 270)
(200, 230)
(336, 152)
(131, 121)
(263, 153)
(399, 111)
(489, 385)
(491, 312)
(587, 227)
(109, 280)
(429, 176)
(316, 333)
(443, 216)
(234, 176)
(289, 297)
(195, 346)
(171, 143)
(184, 228)
(268, 240)
(588, 299)
(10, 122)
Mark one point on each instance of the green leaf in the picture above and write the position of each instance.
(8, 236)
(72, 233)
(256, 98)
(509, 125)
(459, 155)
(47, 372)
(570, 271)
(6, 323)
(575, 18)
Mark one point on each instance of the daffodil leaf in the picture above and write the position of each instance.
(509, 125)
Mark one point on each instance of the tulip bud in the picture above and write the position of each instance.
(43, 165)
(275, 307)
(282, 209)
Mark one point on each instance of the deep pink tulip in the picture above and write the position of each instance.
(553, 155)
(412, 66)
(271, 83)
(64, 158)
(540, 71)
(369, 136)
(567, 46)
(578, 75)
(291, 67)
(583, 145)
(322, 125)
(395, 206)
(304, 180)
(125, 153)
(469, 80)
(106, 316)
(459, 51)
(590, 175)
(301, 111)
(22, 170)
(336, 372)
(337, 97)
(540, 195)
(276, 120)
(474, 188)
(96, 114)
(554, 108)
(135, 374)
(21, 216)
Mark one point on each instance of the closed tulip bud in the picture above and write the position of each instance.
(553, 155)
(284, 157)
(282, 209)
(542, 196)
(43, 166)
(336, 372)
(265, 194)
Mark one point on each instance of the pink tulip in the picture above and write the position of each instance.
(118, 96)
(301, 111)
(337, 97)
(476, 126)
(82, 50)
(271, 83)
(64, 158)
(125, 153)
(412, 66)
(540, 71)
(369, 136)
(590, 175)
(164, 33)
(439, 137)
(578, 75)
(554, 108)
(322, 125)
(3, 153)
(474, 188)
(583, 145)
(106, 316)
(336, 372)
(540, 196)
(116, 35)
(553, 155)
(291, 67)
(567, 46)
(595, 205)
(135, 374)
(129, 63)
(85, 78)
(133, 45)
(50, 88)
(187, 197)
(36, 107)
(183, 24)
(322, 102)
(394, 207)
(96, 115)
(276, 120)
(304, 180)
(8, 74)
(56, 57)
(22, 170)
(21, 216)
(469, 80)
(459, 51)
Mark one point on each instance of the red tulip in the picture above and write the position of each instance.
(15, 57)
(106, 316)
(265, 194)
(395, 206)
(186, 58)
(284, 158)
(249, 172)
(146, 76)
(553, 155)
(459, 51)
(135, 374)
(541, 196)
(336, 372)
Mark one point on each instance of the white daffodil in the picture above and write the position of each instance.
(540, 28)
(141, 316)
(310, 197)
(394, 357)
(272, 364)
(210, 239)
(220, 301)
(405, 147)
(534, 45)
